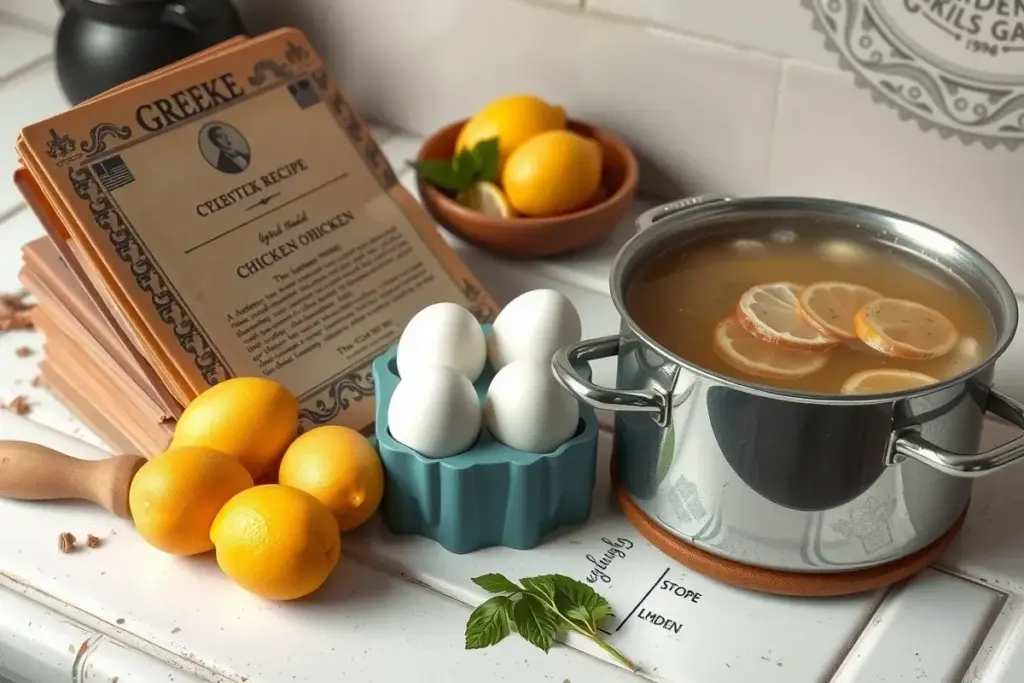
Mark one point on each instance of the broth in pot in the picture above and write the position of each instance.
(816, 314)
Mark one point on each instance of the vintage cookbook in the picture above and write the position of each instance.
(231, 215)
(98, 296)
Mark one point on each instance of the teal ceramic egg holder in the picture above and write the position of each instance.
(490, 495)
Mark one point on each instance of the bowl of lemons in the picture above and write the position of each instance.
(521, 179)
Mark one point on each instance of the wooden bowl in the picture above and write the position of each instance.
(524, 237)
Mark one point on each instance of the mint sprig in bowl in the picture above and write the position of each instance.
(463, 170)
(443, 177)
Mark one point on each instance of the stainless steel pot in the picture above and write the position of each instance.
(789, 480)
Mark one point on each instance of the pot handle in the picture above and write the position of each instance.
(604, 398)
(967, 466)
(659, 213)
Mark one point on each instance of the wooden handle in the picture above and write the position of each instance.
(29, 471)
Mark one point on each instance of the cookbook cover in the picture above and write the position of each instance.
(241, 211)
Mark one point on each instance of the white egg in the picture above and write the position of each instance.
(435, 412)
(527, 410)
(533, 325)
(444, 334)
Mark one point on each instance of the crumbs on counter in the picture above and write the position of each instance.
(23, 352)
(15, 313)
(18, 405)
(66, 542)
(38, 381)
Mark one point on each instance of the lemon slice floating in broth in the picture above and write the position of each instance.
(754, 356)
(905, 329)
(885, 380)
(831, 306)
(771, 312)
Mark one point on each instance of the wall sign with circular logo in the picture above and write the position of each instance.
(954, 66)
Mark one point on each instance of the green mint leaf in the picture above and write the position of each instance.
(465, 168)
(535, 622)
(496, 583)
(487, 158)
(572, 593)
(488, 624)
(600, 613)
(544, 605)
(543, 586)
(440, 174)
(579, 614)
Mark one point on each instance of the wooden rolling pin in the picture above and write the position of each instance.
(29, 471)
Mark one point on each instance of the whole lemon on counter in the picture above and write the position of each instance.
(340, 468)
(250, 418)
(176, 495)
(276, 541)
(513, 120)
(553, 173)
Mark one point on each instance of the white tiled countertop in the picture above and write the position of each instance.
(129, 613)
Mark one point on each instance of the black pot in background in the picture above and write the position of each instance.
(104, 43)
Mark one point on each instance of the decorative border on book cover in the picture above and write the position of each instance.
(146, 274)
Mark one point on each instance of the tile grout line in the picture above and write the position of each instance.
(674, 32)
(776, 112)
(583, 10)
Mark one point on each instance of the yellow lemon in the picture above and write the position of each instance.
(250, 418)
(176, 495)
(513, 120)
(487, 198)
(340, 468)
(276, 541)
(553, 173)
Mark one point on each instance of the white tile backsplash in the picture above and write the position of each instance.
(831, 140)
(19, 48)
(779, 27)
(42, 13)
(700, 114)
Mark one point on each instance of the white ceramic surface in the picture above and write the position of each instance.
(28, 96)
(20, 47)
(361, 626)
(912, 637)
(777, 28)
